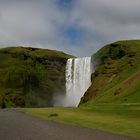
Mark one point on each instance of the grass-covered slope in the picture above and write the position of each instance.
(112, 103)
(115, 118)
(29, 76)
(117, 75)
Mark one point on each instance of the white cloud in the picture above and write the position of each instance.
(41, 23)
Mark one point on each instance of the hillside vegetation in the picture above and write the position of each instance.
(112, 102)
(29, 77)
(117, 75)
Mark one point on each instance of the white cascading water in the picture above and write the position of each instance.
(78, 79)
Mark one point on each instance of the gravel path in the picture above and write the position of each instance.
(18, 126)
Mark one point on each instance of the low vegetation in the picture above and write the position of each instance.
(112, 102)
(29, 77)
(119, 118)
(117, 74)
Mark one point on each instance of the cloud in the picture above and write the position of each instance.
(79, 27)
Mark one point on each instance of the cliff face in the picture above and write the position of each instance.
(29, 77)
(117, 75)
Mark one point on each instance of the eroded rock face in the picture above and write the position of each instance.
(29, 77)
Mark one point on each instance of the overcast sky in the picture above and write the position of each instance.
(78, 27)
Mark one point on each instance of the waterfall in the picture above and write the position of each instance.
(78, 79)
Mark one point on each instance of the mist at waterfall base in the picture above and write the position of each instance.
(78, 79)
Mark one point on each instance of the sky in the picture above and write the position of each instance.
(78, 27)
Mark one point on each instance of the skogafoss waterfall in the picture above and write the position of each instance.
(78, 79)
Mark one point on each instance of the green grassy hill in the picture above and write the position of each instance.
(117, 75)
(29, 76)
(112, 102)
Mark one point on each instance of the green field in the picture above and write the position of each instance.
(120, 119)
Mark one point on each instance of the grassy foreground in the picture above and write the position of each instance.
(120, 119)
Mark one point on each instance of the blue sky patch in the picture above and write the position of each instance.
(73, 34)
(65, 3)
